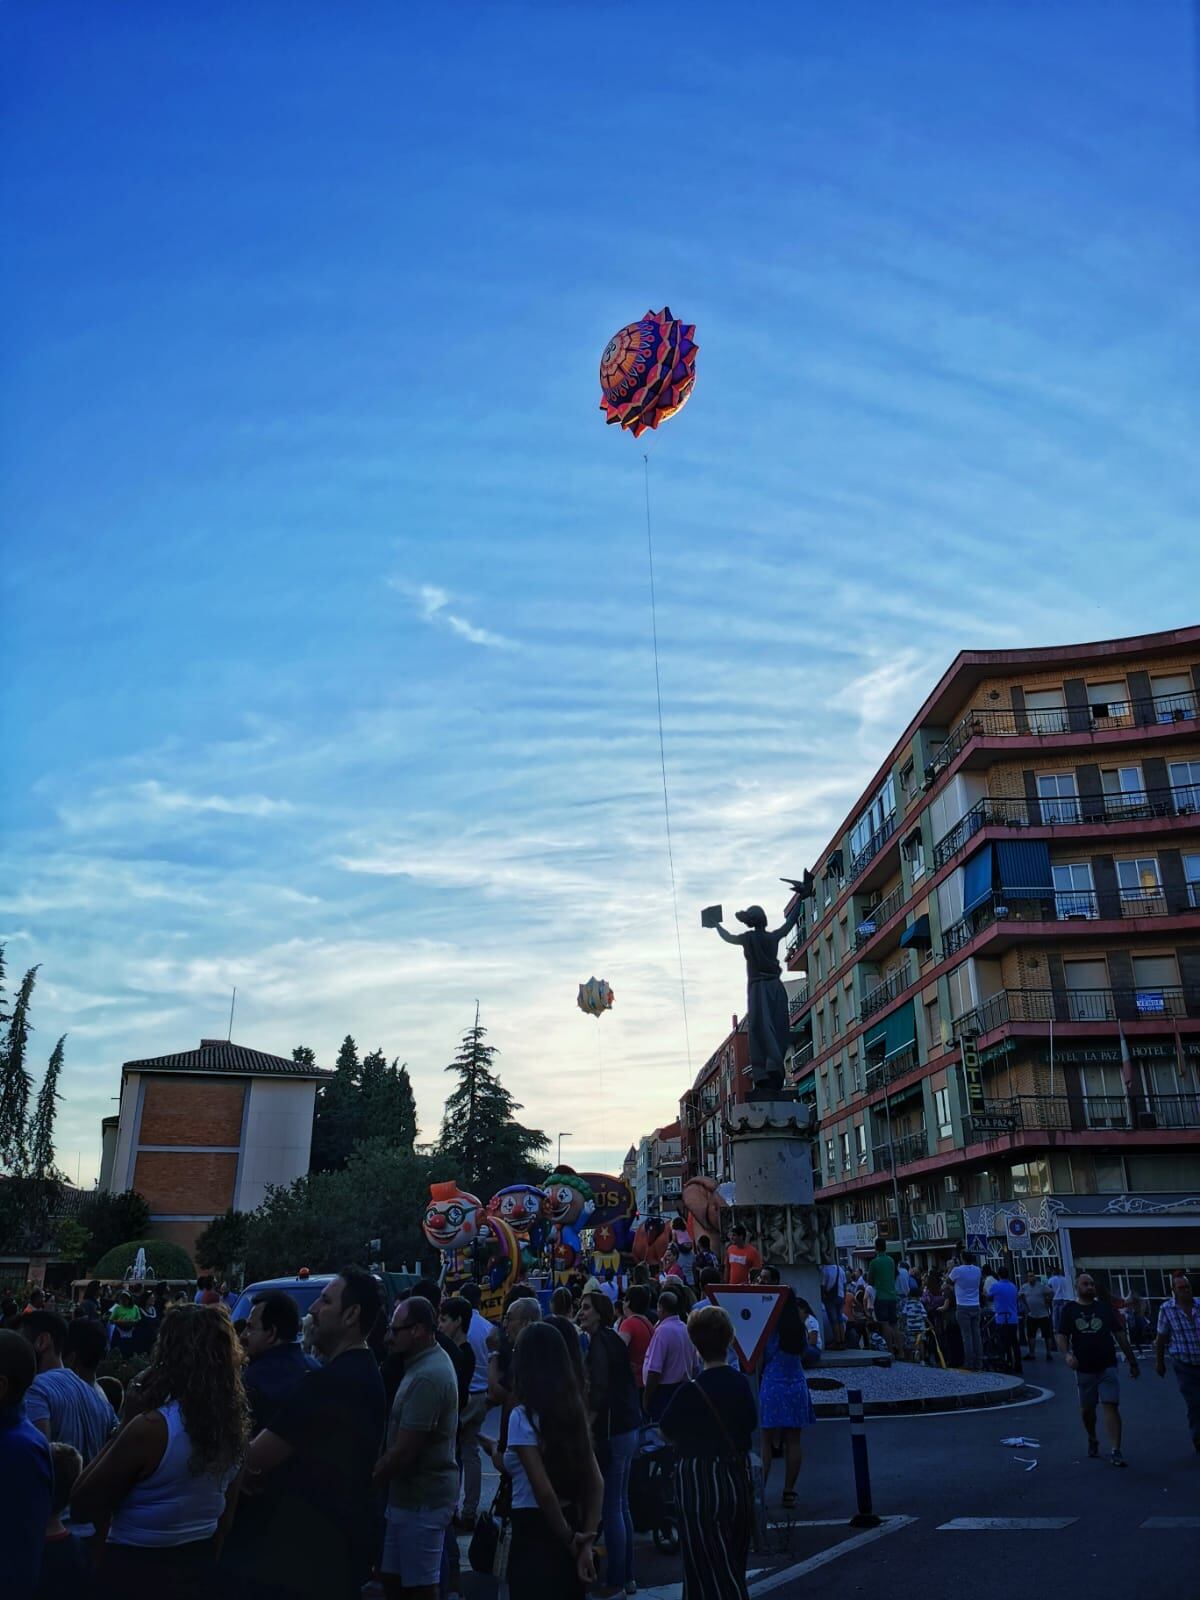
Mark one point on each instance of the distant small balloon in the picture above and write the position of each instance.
(595, 997)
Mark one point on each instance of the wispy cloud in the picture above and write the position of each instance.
(433, 606)
(152, 801)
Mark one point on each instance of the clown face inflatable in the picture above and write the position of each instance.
(521, 1205)
(452, 1217)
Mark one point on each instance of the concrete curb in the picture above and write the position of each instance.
(942, 1402)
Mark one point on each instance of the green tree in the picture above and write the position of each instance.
(305, 1055)
(481, 1137)
(338, 1122)
(388, 1108)
(16, 1085)
(223, 1243)
(110, 1218)
(71, 1240)
(325, 1220)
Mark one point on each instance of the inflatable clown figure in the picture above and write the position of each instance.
(525, 1208)
(452, 1218)
(571, 1202)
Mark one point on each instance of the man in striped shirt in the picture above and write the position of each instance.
(1179, 1332)
(64, 1406)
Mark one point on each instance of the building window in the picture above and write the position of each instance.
(941, 1100)
(1108, 701)
(1174, 698)
(1030, 1178)
(839, 1084)
(914, 854)
(906, 779)
(830, 1161)
(1140, 886)
(835, 1020)
(1046, 710)
(860, 1143)
(1191, 876)
(872, 820)
(1059, 798)
(847, 1160)
(933, 1024)
(1156, 986)
(1073, 895)
(1185, 786)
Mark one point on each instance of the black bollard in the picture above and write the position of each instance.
(865, 1517)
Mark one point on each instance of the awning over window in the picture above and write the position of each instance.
(917, 933)
(875, 1035)
(977, 878)
(1024, 868)
(901, 1026)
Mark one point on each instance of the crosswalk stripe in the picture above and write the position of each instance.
(1171, 1522)
(1003, 1524)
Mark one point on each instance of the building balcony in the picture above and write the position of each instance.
(1029, 1113)
(884, 993)
(1134, 805)
(1152, 1004)
(1008, 723)
(874, 919)
(872, 847)
(905, 1147)
(893, 1067)
(802, 1058)
(1069, 905)
(797, 1001)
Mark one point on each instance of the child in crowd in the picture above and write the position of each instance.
(913, 1320)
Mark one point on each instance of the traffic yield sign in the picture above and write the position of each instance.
(754, 1309)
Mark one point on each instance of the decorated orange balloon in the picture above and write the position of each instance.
(647, 371)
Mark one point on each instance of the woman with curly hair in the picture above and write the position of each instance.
(557, 1489)
(167, 1482)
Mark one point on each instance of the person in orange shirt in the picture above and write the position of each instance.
(741, 1259)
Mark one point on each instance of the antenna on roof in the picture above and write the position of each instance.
(232, 1003)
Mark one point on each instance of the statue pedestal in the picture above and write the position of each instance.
(773, 1179)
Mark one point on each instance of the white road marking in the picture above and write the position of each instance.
(868, 1536)
(1003, 1524)
(1171, 1522)
(812, 1522)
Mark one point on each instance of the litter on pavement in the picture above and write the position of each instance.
(1022, 1443)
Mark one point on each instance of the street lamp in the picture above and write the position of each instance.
(561, 1137)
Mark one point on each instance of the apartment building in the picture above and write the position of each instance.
(1000, 1013)
(658, 1185)
(704, 1108)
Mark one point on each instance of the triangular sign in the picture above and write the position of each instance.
(754, 1309)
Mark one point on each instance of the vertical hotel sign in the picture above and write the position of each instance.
(972, 1073)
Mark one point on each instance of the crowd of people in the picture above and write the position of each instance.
(237, 1458)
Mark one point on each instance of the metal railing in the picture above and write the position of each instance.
(797, 1002)
(802, 1057)
(1153, 1003)
(884, 993)
(905, 1147)
(875, 918)
(1066, 905)
(1054, 811)
(893, 1067)
(872, 847)
(1041, 1113)
(1001, 723)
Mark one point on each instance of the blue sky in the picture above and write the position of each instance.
(326, 655)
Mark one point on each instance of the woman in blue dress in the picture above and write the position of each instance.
(785, 1406)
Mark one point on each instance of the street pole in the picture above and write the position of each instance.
(561, 1137)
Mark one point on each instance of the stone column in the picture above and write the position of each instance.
(772, 1154)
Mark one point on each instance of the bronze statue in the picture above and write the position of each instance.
(766, 998)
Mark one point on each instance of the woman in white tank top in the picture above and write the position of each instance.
(168, 1480)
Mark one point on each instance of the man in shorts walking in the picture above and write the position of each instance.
(1088, 1335)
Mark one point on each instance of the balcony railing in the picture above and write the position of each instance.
(1001, 723)
(895, 1066)
(1067, 905)
(884, 993)
(872, 847)
(797, 1001)
(905, 1147)
(1054, 811)
(875, 918)
(1151, 1003)
(802, 1057)
(1041, 1113)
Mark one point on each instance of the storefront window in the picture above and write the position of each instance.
(1030, 1178)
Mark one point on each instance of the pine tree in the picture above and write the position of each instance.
(41, 1127)
(338, 1123)
(388, 1109)
(488, 1146)
(15, 1082)
(305, 1055)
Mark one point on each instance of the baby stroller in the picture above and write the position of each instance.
(652, 1490)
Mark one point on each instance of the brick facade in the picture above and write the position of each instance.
(192, 1111)
(181, 1183)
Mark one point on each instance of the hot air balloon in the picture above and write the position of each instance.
(595, 997)
(647, 371)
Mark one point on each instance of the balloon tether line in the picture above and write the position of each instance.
(662, 759)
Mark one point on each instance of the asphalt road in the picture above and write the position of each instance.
(1072, 1523)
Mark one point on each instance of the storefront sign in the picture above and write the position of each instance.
(989, 1124)
(862, 1235)
(935, 1226)
(972, 1073)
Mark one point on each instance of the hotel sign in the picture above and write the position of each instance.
(972, 1073)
